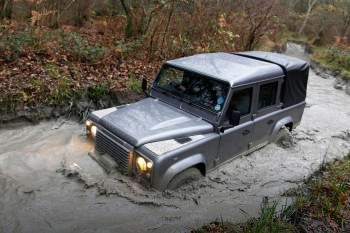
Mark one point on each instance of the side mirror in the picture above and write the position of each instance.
(234, 118)
(144, 85)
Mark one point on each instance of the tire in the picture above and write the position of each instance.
(284, 138)
(185, 177)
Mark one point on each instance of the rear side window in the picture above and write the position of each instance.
(241, 101)
(267, 95)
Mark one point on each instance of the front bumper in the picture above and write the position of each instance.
(114, 154)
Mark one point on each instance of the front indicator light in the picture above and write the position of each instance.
(149, 165)
(93, 130)
(88, 123)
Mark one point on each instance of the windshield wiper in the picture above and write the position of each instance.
(168, 93)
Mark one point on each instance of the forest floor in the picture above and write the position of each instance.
(46, 73)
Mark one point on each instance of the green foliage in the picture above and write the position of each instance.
(270, 220)
(335, 59)
(13, 45)
(52, 69)
(134, 84)
(81, 50)
(63, 92)
(98, 92)
(338, 58)
(327, 195)
(130, 46)
(37, 82)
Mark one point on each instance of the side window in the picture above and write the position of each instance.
(267, 95)
(241, 101)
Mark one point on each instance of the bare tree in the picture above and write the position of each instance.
(5, 9)
(259, 15)
(344, 5)
(310, 6)
(139, 15)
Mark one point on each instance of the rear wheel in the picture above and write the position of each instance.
(185, 177)
(284, 138)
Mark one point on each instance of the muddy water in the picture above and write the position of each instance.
(49, 184)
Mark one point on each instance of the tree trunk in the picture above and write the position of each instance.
(129, 29)
(167, 24)
(311, 4)
(5, 9)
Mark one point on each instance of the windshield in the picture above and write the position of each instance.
(193, 88)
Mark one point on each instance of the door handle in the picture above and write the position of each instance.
(246, 132)
(270, 122)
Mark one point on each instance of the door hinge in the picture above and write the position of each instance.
(250, 145)
(216, 161)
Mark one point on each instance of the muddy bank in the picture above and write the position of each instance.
(49, 184)
(74, 109)
(340, 82)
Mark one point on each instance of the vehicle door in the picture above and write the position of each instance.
(265, 108)
(235, 140)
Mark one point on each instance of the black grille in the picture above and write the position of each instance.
(120, 154)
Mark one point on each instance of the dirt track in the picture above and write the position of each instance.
(49, 184)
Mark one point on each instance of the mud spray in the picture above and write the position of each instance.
(49, 184)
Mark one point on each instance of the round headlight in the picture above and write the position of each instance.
(141, 164)
(93, 131)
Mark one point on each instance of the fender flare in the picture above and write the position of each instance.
(282, 122)
(179, 167)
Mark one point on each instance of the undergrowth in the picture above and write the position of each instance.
(324, 199)
(334, 58)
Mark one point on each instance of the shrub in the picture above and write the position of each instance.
(80, 49)
(13, 45)
(134, 84)
(62, 93)
(97, 92)
(337, 57)
(129, 47)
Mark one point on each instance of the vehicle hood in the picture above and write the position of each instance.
(150, 120)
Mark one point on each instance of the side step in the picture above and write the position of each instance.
(105, 161)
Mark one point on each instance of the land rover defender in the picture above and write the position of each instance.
(201, 111)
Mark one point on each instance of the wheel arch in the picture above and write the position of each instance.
(198, 161)
(286, 121)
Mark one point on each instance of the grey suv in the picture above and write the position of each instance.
(201, 111)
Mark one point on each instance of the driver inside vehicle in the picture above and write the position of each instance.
(202, 90)
(198, 90)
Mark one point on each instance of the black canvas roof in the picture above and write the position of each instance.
(296, 75)
(287, 62)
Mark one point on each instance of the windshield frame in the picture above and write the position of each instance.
(184, 103)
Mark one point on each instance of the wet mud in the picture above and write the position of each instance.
(48, 183)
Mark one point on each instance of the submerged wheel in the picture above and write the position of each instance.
(284, 137)
(185, 177)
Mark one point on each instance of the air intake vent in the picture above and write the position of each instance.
(183, 140)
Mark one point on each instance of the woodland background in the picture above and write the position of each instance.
(56, 53)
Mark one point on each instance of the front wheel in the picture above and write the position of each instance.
(185, 177)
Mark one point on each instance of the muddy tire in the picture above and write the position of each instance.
(184, 177)
(284, 138)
